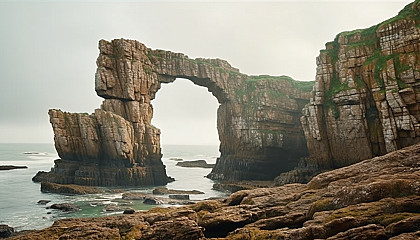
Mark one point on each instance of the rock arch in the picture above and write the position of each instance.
(258, 120)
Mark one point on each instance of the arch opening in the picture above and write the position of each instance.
(186, 114)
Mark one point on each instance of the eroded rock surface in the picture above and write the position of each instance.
(366, 95)
(377, 198)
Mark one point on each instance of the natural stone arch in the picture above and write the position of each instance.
(258, 117)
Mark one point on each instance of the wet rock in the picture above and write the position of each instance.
(116, 208)
(152, 201)
(68, 188)
(163, 190)
(6, 231)
(65, 207)
(43, 202)
(134, 196)
(195, 164)
(129, 211)
(241, 185)
(180, 196)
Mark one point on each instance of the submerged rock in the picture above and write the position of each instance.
(116, 208)
(11, 167)
(43, 202)
(164, 190)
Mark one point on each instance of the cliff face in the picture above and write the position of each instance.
(258, 120)
(367, 93)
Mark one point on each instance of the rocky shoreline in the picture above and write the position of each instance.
(377, 198)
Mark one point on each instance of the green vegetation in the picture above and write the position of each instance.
(305, 86)
(147, 69)
(368, 39)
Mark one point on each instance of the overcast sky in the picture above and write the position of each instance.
(48, 51)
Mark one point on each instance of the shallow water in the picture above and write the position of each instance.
(19, 195)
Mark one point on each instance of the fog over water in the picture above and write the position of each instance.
(48, 51)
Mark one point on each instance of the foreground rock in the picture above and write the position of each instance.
(10, 167)
(163, 190)
(241, 185)
(374, 199)
(68, 189)
(196, 163)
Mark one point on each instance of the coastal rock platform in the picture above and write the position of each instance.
(377, 198)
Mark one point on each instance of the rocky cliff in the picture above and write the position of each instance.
(367, 93)
(375, 199)
(258, 120)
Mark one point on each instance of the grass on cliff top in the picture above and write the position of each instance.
(305, 86)
(368, 37)
(368, 33)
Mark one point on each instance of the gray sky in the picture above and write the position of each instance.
(48, 51)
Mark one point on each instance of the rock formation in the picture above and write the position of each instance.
(377, 198)
(366, 94)
(258, 120)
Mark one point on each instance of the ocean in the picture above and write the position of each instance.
(19, 195)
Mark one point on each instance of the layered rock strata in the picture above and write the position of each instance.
(258, 120)
(377, 198)
(367, 93)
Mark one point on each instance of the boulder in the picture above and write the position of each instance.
(152, 201)
(65, 207)
(129, 211)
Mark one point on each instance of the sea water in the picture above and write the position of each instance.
(19, 195)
